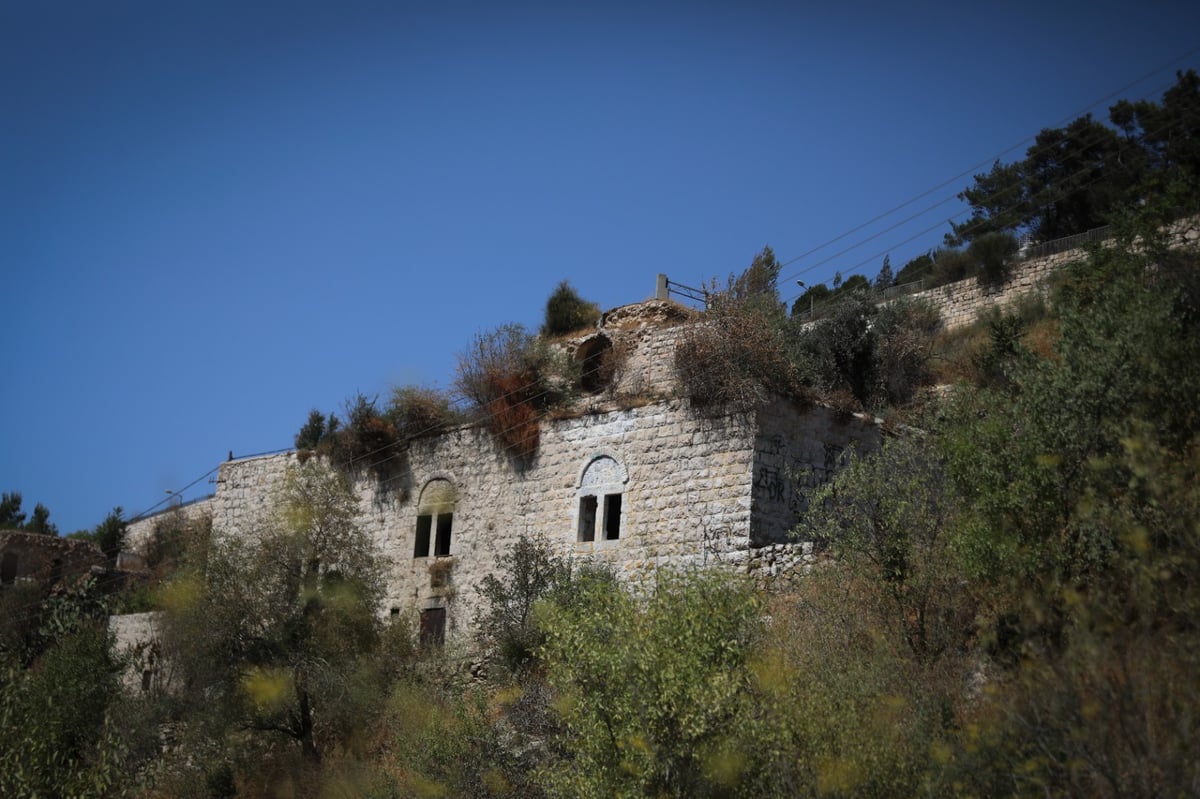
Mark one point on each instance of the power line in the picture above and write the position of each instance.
(1065, 120)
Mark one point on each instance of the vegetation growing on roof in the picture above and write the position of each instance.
(513, 378)
(567, 312)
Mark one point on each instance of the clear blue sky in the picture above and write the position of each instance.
(215, 216)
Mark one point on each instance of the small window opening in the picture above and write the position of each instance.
(8, 571)
(587, 519)
(424, 526)
(395, 613)
(433, 628)
(594, 357)
(612, 517)
(441, 546)
(147, 679)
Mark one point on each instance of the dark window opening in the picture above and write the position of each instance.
(433, 627)
(441, 546)
(595, 358)
(8, 570)
(424, 526)
(612, 517)
(587, 519)
(395, 613)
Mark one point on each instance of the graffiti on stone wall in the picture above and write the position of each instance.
(715, 540)
(785, 480)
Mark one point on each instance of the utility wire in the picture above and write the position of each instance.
(1065, 120)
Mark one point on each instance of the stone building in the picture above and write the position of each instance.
(45, 560)
(630, 475)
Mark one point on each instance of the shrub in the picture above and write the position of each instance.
(368, 440)
(992, 253)
(513, 378)
(950, 266)
(316, 430)
(733, 360)
(567, 312)
(838, 354)
(416, 412)
(506, 623)
(904, 331)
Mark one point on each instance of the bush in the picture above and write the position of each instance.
(649, 686)
(838, 354)
(567, 312)
(733, 360)
(904, 335)
(367, 440)
(315, 430)
(514, 378)
(416, 412)
(506, 623)
(992, 253)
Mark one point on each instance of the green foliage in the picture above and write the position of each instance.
(813, 296)
(916, 269)
(57, 702)
(11, 517)
(108, 535)
(648, 686)
(507, 624)
(1074, 178)
(417, 412)
(316, 430)
(992, 253)
(890, 519)
(274, 634)
(885, 278)
(567, 312)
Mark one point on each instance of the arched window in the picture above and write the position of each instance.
(601, 486)
(435, 518)
(595, 360)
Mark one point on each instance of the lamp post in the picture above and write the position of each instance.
(800, 283)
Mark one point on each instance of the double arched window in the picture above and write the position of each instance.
(601, 485)
(435, 518)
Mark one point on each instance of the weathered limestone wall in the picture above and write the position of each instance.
(139, 636)
(139, 531)
(796, 450)
(688, 486)
(681, 477)
(963, 302)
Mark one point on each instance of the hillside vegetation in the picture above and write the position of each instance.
(1006, 605)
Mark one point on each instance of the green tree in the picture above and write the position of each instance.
(40, 522)
(567, 312)
(59, 697)
(11, 517)
(530, 572)
(108, 535)
(1169, 134)
(274, 634)
(648, 686)
(317, 429)
(885, 278)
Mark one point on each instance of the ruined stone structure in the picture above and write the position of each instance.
(631, 476)
(44, 559)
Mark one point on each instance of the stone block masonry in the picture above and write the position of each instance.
(963, 302)
(690, 490)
